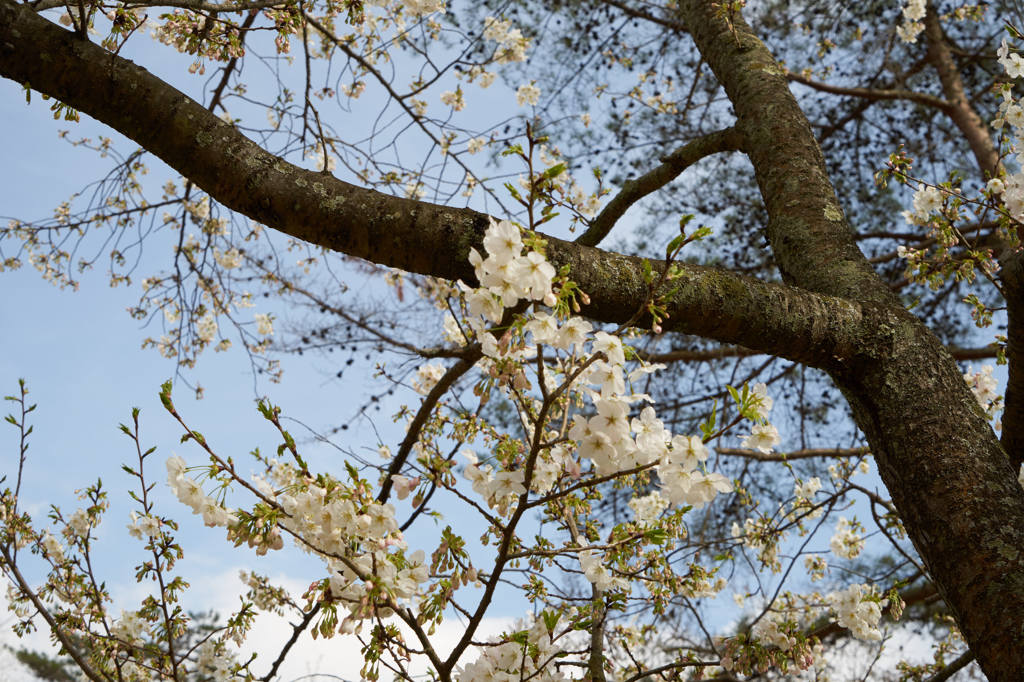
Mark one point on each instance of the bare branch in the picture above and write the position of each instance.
(961, 662)
(873, 94)
(807, 453)
(637, 13)
(671, 167)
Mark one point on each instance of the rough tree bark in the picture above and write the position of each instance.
(948, 475)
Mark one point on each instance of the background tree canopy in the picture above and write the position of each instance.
(810, 204)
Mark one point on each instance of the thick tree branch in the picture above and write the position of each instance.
(810, 238)
(1012, 277)
(706, 355)
(412, 235)
(961, 112)
(671, 167)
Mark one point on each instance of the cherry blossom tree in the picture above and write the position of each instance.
(535, 387)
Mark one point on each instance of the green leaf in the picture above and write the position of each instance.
(550, 619)
(165, 396)
(656, 536)
(648, 273)
(674, 245)
(554, 171)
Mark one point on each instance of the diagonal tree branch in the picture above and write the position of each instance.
(412, 235)
(671, 167)
(960, 111)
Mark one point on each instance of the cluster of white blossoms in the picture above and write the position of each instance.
(756, 404)
(145, 525)
(229, 260)
(506, 275)
(609, 439)
(189, 492)
(846, 542)
(804, 492)
(763, 438)
(264, 324)
(422, 8)
(1009, 187)
(130, 628)
(214, 662)
(427, 377)
(369, 569)
(858, 610)
(913, 13)
(454, 99)
(774, 629)
(512, 44)
(648, 508)
(498, 489)
(54, 549)
(985, 388)
(80, 522)
(528, 93)
(598, 574)
(927, 200)
(512, 661)
(758, 535)
(206, 327)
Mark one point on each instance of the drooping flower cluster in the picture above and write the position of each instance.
(857, 609)
(846, 542)
(913, 13)
(190, 492)
(608, 438)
